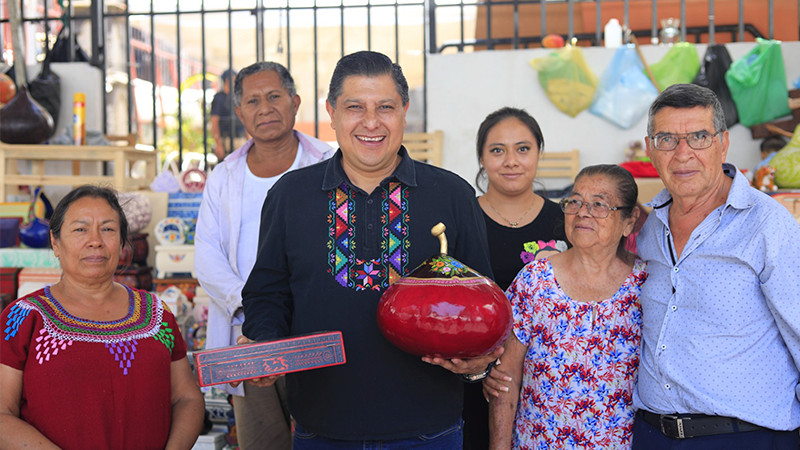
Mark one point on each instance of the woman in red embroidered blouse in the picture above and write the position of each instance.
(87, 362)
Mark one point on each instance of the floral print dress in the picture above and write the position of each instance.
(580, 365)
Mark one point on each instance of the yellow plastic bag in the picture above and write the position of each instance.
(566, 79)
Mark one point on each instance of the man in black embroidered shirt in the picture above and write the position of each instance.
(338, 234)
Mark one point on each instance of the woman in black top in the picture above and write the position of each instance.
(520, 224)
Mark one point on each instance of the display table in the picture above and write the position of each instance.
(122, 157)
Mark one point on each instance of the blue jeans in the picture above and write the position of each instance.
(447, 439)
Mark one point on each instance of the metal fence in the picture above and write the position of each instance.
(160, 58)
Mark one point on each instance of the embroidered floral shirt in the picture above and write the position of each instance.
(89, 384)
(581, 362)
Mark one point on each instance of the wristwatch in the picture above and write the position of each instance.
(476, 377)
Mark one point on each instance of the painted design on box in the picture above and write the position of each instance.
(295, 354)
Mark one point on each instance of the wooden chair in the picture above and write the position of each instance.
(127, 140)
(559, 165)
(426, 147)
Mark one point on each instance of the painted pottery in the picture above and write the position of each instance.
(444, 308)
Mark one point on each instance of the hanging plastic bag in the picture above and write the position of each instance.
(60, 51)
(625, 92)
(757, 83)
(787, 163)
(679, 65)
(715, 63)
(566, 79)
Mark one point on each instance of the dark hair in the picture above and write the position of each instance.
(87, 190)
(627, 191)
(493, 119)
(227, 75)
(369, 64)
(773, 143)
(687, 96)
(263, 66)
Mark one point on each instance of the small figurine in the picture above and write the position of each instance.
(764, 179)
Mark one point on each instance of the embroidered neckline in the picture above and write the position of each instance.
(374, 274)
(144, 319)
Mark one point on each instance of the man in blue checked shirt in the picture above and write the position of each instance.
(721, 304)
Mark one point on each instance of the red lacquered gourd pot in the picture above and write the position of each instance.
(443, 308)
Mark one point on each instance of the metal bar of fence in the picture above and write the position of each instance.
(489, 22)
(771, 17)
(341, 29)
(625, 19)
(598, 23)
(654, 24)
(543, 9)
(711, 37)
(516, 25)
(683, 20)
(316, 74)
(178, 83)
(288, 40)
(260, 25)
(570, 20)
(153, 69)
(425, 45)
(741, 20)
(129, 84)
(369, 26)
(204, 70)
(430, 9)
(461, 16)
(396, 33)
(231, 123)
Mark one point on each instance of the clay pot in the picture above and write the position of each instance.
(140, 247)
(125, 257)
(443, 308)
(24, 121)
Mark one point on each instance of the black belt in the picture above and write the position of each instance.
(681, 426)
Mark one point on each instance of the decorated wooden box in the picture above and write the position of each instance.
(276, 357)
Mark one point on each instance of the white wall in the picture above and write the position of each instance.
(463, 88)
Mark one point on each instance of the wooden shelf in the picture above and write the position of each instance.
(122, 157)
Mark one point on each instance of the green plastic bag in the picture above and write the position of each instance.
(757, 83)
(566, 79)
(679, 65)
(787, 163)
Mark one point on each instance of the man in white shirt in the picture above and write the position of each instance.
(226, 240)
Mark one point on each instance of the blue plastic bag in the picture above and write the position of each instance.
(625, 93)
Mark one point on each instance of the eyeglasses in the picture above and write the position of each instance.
(697, 140)
(597, 210)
